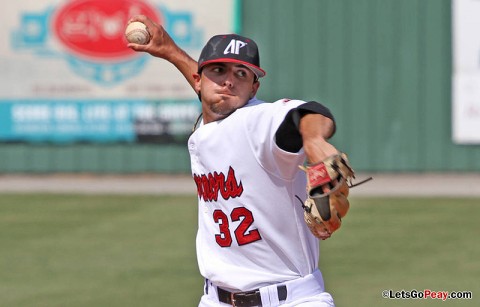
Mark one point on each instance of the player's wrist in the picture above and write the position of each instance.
(318, 149)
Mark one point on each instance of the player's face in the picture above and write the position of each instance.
(224, 88)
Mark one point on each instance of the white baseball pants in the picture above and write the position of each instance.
(308, 291)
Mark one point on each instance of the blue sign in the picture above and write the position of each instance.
(97, 120)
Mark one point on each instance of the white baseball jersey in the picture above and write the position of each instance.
(251, 231)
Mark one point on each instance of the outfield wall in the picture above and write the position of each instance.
(384, 67)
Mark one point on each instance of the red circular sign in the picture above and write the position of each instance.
(95, 28)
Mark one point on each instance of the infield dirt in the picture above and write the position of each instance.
(403, 184)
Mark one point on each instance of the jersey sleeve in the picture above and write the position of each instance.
(288, 135)
(261, 124)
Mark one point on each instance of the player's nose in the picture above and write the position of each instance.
(228, 81)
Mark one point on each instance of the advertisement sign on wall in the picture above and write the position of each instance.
(67, 75)
(466, 72)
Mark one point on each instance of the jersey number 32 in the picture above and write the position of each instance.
(242, 233)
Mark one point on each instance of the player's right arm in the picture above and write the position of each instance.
(161, 45)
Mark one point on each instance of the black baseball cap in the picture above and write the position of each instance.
(231, 48)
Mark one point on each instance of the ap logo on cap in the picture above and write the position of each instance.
(234, 47)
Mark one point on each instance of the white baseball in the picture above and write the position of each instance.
(136, 32)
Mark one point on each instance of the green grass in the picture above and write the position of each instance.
(404, 244)
(67, 250)
(101, 250)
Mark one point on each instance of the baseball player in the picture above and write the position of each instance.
(259, 215)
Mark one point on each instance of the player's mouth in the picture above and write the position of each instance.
(226, 94)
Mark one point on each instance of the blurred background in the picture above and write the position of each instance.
(97, 204)
(73, 99)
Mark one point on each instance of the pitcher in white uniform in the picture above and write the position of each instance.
(253, 246)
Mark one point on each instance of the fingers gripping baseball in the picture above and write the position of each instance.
(159, 43)
(136, 32)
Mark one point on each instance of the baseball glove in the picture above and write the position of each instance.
(328, 185)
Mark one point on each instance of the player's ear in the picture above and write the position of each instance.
(255, 87)
(198, 82)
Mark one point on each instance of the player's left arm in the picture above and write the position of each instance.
(310, 125)
(316, 129)
(329, 174)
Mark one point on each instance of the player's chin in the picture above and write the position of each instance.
(218, 113)
(226, 107)
(224, 113)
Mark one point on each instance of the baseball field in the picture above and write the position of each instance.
(138, 250)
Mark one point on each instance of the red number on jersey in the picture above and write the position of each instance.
(242, 234)
(224, 239)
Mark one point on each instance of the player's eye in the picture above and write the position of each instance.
(241, 73)
(217, 69)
